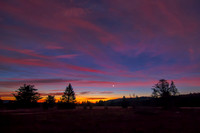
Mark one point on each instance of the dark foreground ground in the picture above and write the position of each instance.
(97, 120)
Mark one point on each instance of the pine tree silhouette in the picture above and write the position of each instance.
(69, 95)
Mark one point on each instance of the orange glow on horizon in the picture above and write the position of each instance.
(78, 99)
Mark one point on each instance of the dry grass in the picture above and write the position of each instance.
(98, 120)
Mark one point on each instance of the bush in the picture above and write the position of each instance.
(64, 105)
(124, 102)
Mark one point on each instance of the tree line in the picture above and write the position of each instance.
(27, 96)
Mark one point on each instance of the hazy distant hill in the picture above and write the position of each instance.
(184, 100)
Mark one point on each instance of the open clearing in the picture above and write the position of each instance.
(113, 119)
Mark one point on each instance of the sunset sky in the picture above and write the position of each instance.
(105, 48)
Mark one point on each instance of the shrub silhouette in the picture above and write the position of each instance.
(1, 103)
(124, 102)
(164, 91)
(100, 103)
(50, 100)
(27, 96)
(84, 104)
(90, 105)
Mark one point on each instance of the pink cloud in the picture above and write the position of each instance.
(155, 32)
(54, 94)
(64, 22)
(68, 56)
(53, 47)
(76, 12)
(96, 98)
(106, 92)
(6, 94)
(125, 90)
(85, 92)
(100, 33)
(29, 62)
(188, 81)
(24, 51)
(43, 63)
(57, 90)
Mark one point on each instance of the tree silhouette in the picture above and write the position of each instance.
(124, 102)
(50, 99)
(27, 94)
(163, 89)
(1, 102)
(100, 103)
(69, 95)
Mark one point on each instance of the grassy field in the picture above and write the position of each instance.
(97, 120)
